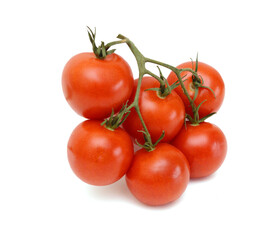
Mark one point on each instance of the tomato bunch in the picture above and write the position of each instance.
(165, 117)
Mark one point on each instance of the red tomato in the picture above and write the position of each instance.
(158, 113)
(97, 155)
(211, 79)
(158, 177)
(93, 87)
(205, 147)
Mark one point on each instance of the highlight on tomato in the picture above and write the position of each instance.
(159, 176)
(95, 83)
(204, 145)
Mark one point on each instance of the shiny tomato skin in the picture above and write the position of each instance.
(211, 79)
(158, 113)
(93, 87)
(97, 155)
(158, 177)
(205, 147)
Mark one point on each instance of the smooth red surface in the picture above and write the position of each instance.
(205, 147)
(97, 155)
(93, 87)
(158, 177)
(211, 79)
(159, 114)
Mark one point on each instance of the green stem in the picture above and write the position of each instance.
(108, 45)
(142, 71)
(160, 63)
(136, 105)
(162, 83)
(192, 104)
(141, 62)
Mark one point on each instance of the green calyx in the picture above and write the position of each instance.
(101, 51)
(115, 120)
(198, 81)
(148, 145)
(165, 88)
(195, 119)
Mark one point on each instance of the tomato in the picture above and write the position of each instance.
(211, 79)
(205, 147)
(97, 155)
(158, 113)
(93, 87)
(159, 176)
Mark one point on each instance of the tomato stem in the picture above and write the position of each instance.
(142, 71)
(164, 89)
(141, 62)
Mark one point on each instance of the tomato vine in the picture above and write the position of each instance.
(116, 120)
(169, 125)
(141, 62)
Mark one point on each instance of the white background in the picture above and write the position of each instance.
(40, 196)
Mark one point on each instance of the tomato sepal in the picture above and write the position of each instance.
(148, 145)
(102, 51)
(115, 120)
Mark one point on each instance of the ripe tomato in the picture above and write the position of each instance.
(158, 113)
(97, 155)
(158, 177)
(93, 87)
(211, 79)
(205, 147)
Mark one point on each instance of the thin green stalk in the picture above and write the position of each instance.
(136, 105)
(108, 45)
(142, 71)
(162, 83)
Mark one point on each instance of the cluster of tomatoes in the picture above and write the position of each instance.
(166, 121)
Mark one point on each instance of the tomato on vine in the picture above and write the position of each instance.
(159, 176)
(159, 112)
(99, 155)
(204, 145)
(209, 89)
(95, 83)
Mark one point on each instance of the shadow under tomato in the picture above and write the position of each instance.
(166, 206)
(112, 192)
(119, 191)
(203, 179)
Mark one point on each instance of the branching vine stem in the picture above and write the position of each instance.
(115, 120)
(141, 62)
